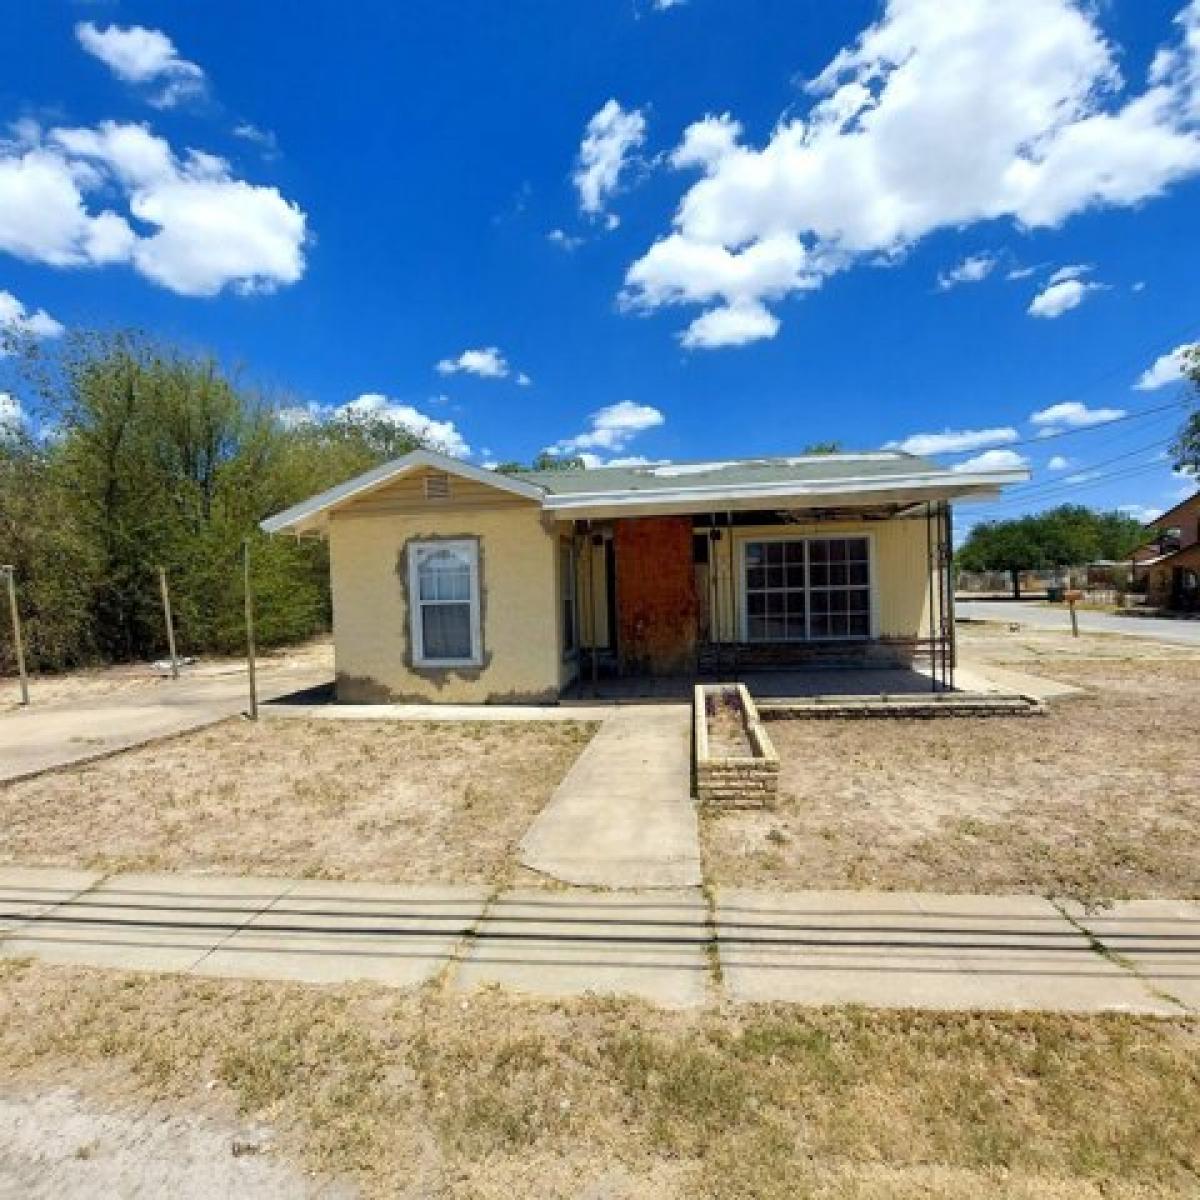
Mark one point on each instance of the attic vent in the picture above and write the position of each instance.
(437, 486)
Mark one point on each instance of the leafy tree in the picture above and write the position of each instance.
(545, 461)
(141, 456)
(1186, 447)
(1067, 536)
(823, 448)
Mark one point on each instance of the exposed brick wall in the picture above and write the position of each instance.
(656, 595)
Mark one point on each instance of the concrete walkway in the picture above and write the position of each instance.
(887, 950)
(623, 816)
(44, 737)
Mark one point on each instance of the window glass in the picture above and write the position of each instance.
(807, 589)
(445, 589)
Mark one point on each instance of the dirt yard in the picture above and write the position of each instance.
(93, 682)
(1098, 799)
(430, 1095)
(336, 799)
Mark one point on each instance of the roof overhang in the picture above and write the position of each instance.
(311, 516)
(899, 491)
(870, 491)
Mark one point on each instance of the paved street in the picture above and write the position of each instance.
(1032, 613)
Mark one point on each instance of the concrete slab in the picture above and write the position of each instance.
(910, 950)
(1160, 939)
(37, 739)
(27, 892)
(569, 943)
(145, 922)
(623, 817)
(325, 931)
(989, 678)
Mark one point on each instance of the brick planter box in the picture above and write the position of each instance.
(736, 764)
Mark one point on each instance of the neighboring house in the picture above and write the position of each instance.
(456, 584)
(1170, 562)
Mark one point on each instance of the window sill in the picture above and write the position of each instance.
(446, 663)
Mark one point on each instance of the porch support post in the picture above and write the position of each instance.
(733, 622)
(930, 567)
(951, 631)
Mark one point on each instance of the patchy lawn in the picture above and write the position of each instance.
(1099, 799)
(336, 799)
(428, 1095)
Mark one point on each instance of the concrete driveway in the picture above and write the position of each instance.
(39, 738)
(1039, 616)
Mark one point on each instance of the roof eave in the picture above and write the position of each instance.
(845, 492)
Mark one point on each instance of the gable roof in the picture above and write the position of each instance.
(1164, 519)
(813, 480)
(305, 517)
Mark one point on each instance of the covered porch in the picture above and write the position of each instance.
(846, 600)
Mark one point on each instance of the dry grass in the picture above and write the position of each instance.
(91, 683)
(336, 799)
(1097, 800)
(425, 1095)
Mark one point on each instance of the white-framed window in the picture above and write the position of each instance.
(443, 590)
(802, 589)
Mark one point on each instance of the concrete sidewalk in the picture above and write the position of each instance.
(42, 738)
(623, 817)
(879, 949)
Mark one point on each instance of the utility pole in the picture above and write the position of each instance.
(18, 646)
(166, 600)
(249, 628)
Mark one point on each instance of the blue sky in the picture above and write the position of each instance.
(636, 229)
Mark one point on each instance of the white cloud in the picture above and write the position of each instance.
(731, 325)
(1058, 463)
(611, 429)
(973, 269)
(16, 319)
(954, 441)
(610, 138)
(1071, 271)
(442, 435)
(144, 56)
(12, 416)
(943, 114)
(1142, 513)
(1021, 273)
(1166, 369)
(487, 363)
(264, 139)
(992, 460)
(564, 240)
(1058, 298)
(1073, 415)
(211, 231)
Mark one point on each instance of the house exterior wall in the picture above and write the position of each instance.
(519, 597)
(1161, 586)
(899, 573)
(1184, 517)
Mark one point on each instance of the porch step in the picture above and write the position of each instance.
(941, 704)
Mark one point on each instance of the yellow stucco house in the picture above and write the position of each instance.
(456, 584)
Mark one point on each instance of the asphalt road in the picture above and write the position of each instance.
(1158, 629)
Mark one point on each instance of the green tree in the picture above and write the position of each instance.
(1070, 535)
(1186, 447)
(140, 456)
